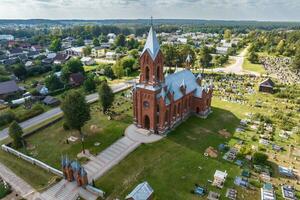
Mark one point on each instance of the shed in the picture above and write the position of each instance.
(267, 86)
(142, 192)
(51, 101)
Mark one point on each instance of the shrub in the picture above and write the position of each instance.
(66, 126)
(27, 114)
(260, 158)
(7, 118)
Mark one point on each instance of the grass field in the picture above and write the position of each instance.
(173, 165)
(104, 131)
(247, 65)
(27, 171)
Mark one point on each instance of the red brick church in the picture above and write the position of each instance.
(160, 101)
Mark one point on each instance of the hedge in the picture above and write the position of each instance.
(27, 114)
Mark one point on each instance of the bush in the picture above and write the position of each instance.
(66, 126)
(27, 114)
(7, 118)
(260, 158)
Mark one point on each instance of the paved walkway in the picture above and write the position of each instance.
(100, 164)
(18, 184)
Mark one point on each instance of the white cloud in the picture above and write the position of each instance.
(201, 9)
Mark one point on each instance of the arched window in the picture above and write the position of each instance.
(158, 73)
(166, 116)
(174, 111)
(146, 122)
(147, 71)
(179, 108)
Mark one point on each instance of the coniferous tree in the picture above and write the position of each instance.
(16, 132)
(106, 96)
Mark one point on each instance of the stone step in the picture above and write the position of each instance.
(119, 147)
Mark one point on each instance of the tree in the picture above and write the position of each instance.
(103, 38)
(106, 96)
(79, 42)
(20, 71)
(16, 132)
(205, 57)
(253, 57)
(118, 69)
(74, 65)
(87, 51)
(134, 53)
(296, 61)
(128, 64)
(89, 85)
(76, 112)
(55, 45)
(260, 158)
(227, 35)
(52, 82)
(280, 47)
(120, 40)
(96, 42)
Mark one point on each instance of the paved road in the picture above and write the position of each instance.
(57, 111)
(237, 67)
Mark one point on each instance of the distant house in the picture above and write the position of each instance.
(142, 192)
(284, 171)
(51, 101)
(221, 50)
(110, 55)
(60, 58)
(42, 89)
(87, 61)
(98, 52)
(76, 79)
(75, 51)
(37, 48)
(14, 52)
(267, 86)
(8, 88)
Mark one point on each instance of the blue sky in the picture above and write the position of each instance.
(274, 10)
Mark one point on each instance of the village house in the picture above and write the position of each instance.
(8, 88)
(76, 79)
(267, 192)
(75, 51)
(87, 61)
(98, 52)
(160, 102)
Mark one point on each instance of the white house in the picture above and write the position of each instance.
(87, 61)
(222, 50)
(7, 37)
(110, 55)
(219, 178)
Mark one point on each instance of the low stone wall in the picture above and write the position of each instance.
(31, 160)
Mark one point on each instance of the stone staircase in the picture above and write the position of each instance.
(61, 191)
(108, 158)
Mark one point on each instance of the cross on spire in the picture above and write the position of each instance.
(151, 21)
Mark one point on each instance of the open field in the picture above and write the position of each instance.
(247, 65)
(172, 166)
(98, 129)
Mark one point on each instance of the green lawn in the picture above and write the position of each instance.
(35, 176)
(50, 143)
(173, 165)
(247, 65)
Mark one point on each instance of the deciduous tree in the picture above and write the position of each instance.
(76, 112)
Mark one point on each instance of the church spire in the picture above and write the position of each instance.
(152, 44)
